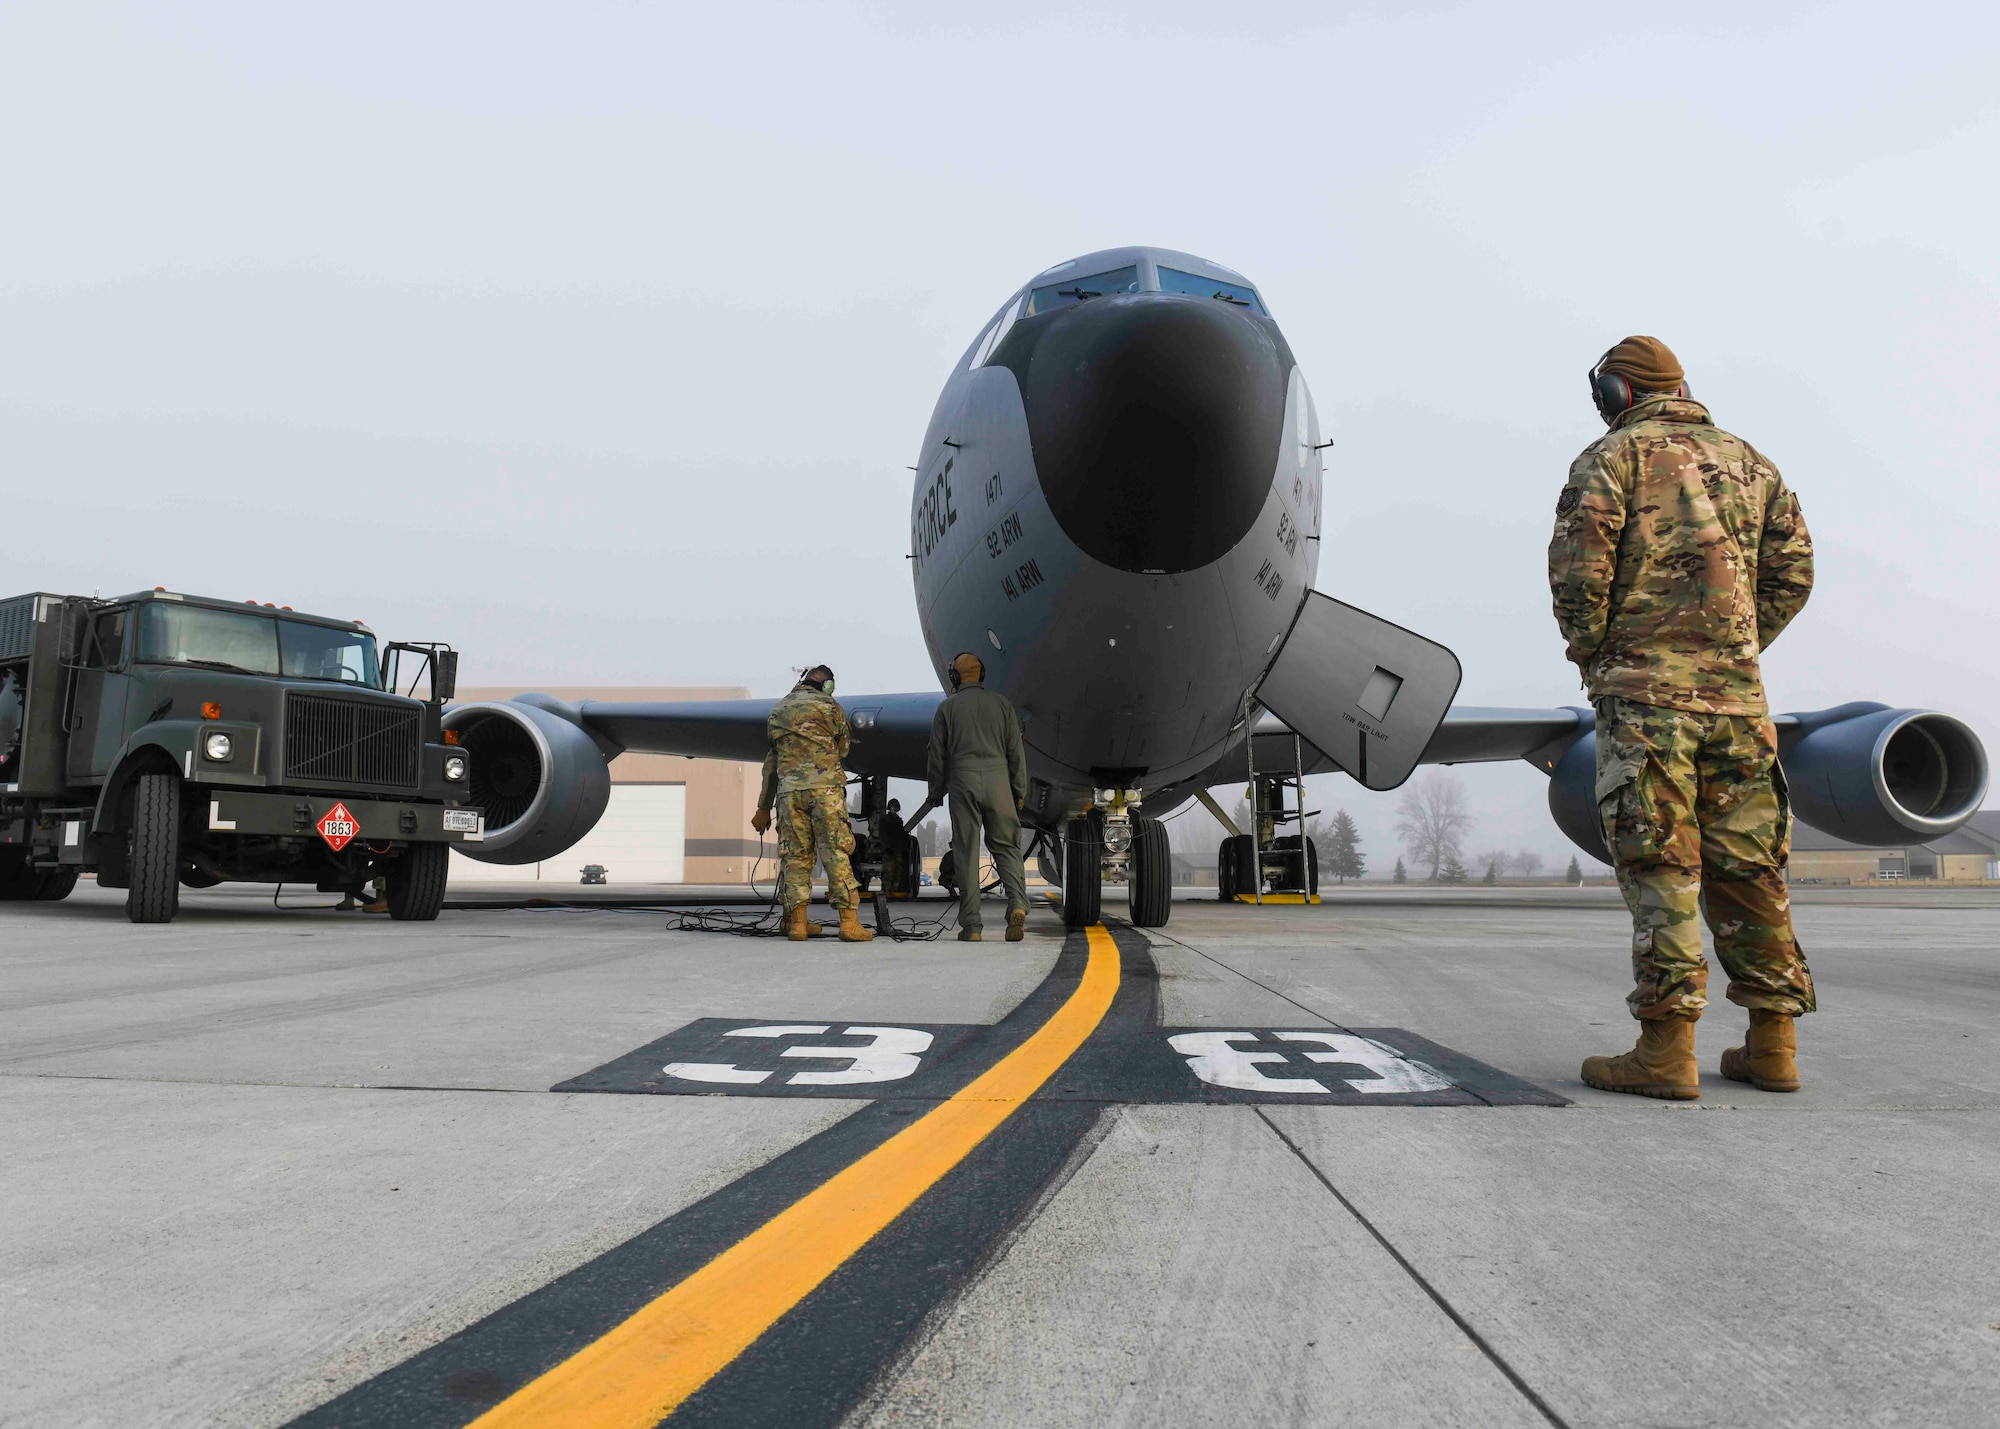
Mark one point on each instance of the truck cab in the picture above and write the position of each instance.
(162, 740)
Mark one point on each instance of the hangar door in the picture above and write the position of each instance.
(642, 838)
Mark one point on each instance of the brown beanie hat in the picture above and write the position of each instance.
(1647, 363)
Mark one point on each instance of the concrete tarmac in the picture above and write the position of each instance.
(262, 1161)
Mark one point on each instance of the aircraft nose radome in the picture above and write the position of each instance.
(1155, 423)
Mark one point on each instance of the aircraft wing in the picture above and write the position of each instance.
(1468, 734)
(891, 732)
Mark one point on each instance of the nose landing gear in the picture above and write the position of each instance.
(1115, 843)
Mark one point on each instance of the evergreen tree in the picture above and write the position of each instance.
(1492, 873)
(1575, 874)
(1452, 870)
(1400, 876)
(1344, 857)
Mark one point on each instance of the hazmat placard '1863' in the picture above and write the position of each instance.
(338, 827)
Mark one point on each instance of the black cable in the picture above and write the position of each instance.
(298, 907)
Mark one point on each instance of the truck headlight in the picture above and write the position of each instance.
(217, 747)
(454, 768)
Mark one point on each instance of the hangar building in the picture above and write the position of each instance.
(1971, 855)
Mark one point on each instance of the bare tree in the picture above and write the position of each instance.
(1432, 819)
(1527, 865)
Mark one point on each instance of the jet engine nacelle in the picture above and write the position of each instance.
(542, 779)
(1873, 775)
(1861, 772)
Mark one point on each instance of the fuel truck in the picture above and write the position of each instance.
(162, 741)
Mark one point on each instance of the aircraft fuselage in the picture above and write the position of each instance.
(1117, 507)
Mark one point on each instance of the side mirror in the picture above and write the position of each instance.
(429, 658)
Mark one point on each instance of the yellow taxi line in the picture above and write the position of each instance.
(641, 1371)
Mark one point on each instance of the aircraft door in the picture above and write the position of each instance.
(1366, 693)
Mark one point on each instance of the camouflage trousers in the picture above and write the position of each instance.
(813, 828)
(1695, 813)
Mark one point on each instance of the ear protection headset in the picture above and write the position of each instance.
(957, 676)
(824, 684)
(1612, 393)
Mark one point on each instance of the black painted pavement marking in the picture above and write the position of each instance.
(1125, 1062)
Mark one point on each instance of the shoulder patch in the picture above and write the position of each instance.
(1566, 503)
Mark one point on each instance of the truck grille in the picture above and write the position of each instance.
(351, 742)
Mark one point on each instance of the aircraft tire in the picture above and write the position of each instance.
(1236, 868)
(1150, 891)
(192, 877)
(1083, 873)
(153, 833)
(58, 884)
(1290, 844)
(913, 869)
(416, 884)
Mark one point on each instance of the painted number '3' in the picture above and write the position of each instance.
(1216, 1059)
(892, 1054)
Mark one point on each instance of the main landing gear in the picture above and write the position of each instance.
(887, 856)
(1264, 866)
(1114, 843)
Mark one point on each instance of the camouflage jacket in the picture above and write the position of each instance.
(809, 740)
(1679, 554)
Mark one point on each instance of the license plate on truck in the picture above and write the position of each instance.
(461, 821)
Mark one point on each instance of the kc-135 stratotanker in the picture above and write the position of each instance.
(1119, 505)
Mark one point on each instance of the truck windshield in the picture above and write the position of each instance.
(255, 644)
(319, 652)
(195, 635)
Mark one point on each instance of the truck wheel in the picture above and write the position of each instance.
(416, 883)
(153, 841)
(1150, 890)
(18, 881)
(57, 884)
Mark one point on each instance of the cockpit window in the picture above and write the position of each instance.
(1066, 291)
(1240, 295)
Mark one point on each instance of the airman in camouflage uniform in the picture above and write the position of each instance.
(1679, 555)
(806, 779)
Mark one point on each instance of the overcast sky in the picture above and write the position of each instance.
(596, 338)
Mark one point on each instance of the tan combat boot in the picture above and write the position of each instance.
(851, 930)
(1768, 1060)
(970, 935)
(795, 923)
(1661, 1065)
(1017, 924)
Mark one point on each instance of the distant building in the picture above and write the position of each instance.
(1968, 856)
(670, 820)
